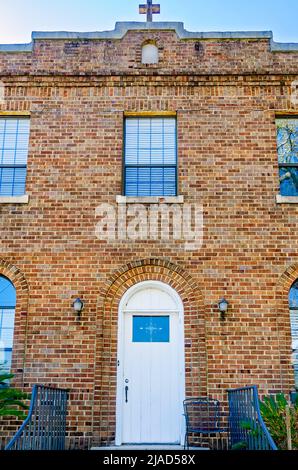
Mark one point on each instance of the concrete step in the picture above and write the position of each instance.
(152, 447)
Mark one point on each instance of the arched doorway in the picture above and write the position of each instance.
(150, 365)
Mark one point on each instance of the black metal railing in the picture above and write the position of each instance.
(246, 426)
(45, 426)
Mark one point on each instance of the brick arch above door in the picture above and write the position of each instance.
(107, 327)
(14, 274)
(282, 313)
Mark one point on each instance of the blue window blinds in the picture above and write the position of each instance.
(287, 148)
(293, 302)
(150, 166)
(7, 315)
(14, 140)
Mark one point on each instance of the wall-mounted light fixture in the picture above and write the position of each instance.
(223, 307)
(78, 306)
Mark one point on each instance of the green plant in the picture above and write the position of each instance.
(253, 431)
(242, 445)
(11, 399)
(273, 410)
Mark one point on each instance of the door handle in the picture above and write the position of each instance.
(126, 393)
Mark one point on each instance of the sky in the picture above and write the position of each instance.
(18, 18)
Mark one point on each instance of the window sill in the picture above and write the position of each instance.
(150, 200)
(286, 199)
(14, 199)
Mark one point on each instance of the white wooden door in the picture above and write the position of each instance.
(152, 402)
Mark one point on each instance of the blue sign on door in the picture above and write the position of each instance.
(151, 329)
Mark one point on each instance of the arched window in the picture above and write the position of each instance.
(7, 314)
(293, 302)
(149, 54)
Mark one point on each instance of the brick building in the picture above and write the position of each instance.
(96, 128)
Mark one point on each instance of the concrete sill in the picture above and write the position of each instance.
(286, 199)
(14, 199)
(150, 200)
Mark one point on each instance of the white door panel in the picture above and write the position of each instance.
(152, 412)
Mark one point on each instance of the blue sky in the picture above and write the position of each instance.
(19, 17)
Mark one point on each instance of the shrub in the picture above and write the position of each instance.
(273, 409)
(11, 399)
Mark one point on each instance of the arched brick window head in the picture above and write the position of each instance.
(293, 303)
(149, 54)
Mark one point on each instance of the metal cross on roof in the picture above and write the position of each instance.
(149, 10)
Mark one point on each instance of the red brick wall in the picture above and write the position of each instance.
(227, 163)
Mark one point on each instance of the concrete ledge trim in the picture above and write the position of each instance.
(286, 199)
(14, 199)
(16, 47)
(283, 46)
(150, 200)
(122, 27)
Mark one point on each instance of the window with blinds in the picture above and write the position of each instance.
(7, 315)
(14, 141)
(287, 148)
(293, 301)
(150, 157)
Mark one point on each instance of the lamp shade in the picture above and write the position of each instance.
(223, 305)
(78, 305)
